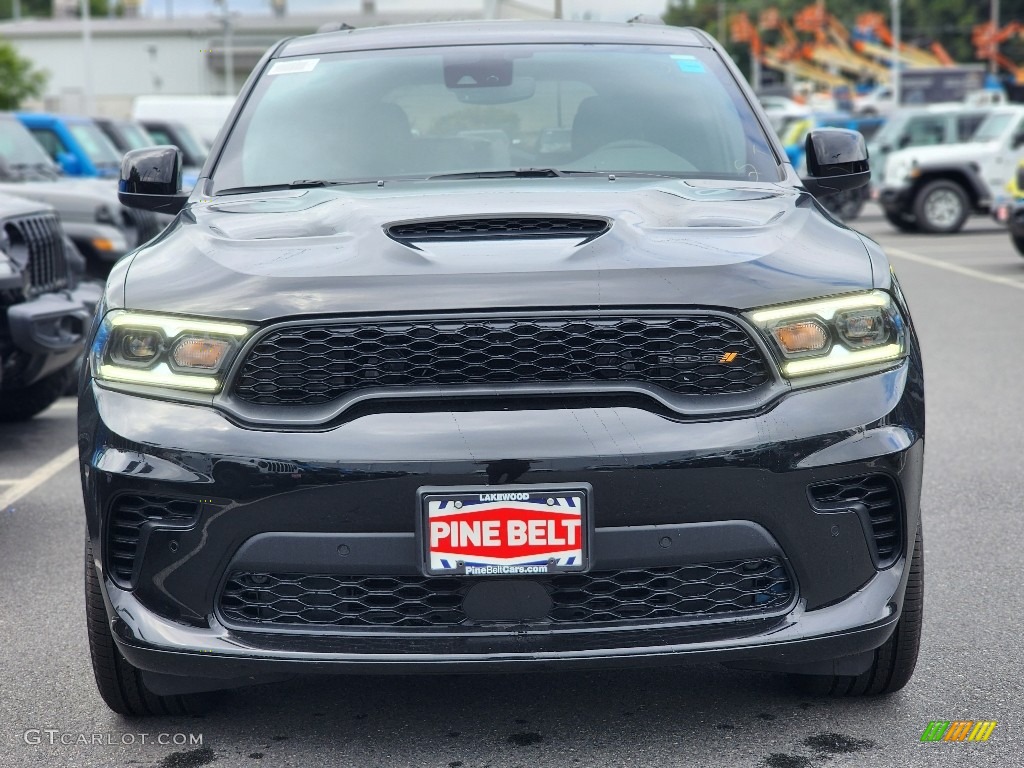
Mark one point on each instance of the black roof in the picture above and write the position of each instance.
(489, 33)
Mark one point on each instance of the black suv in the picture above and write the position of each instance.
(500, 347)
(44, 314)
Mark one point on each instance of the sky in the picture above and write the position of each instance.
(605, 10)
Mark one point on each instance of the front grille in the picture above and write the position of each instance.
(41, 241)
(736, 587)
(497, 228)
(683, 354)
(128, 513)
(880, 500)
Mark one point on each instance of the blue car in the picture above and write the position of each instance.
(75, 143)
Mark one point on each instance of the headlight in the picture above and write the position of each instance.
(165, 350)
(900, 169)
(840, 337)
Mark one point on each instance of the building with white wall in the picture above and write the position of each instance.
(131, 57)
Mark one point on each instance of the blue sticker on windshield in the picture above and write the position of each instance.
(689, 63)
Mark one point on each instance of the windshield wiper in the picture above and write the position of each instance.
(548, 173)
(512, 173)
(299, 184)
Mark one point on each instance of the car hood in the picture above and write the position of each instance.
(942, 153)
(669, 243)
(12, 206)
(71, 197)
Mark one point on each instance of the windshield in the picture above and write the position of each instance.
(891, 130)
(418, 113)
(134, 136)
(95, 144)
(993, 127)
(190, 143)
(18, 148)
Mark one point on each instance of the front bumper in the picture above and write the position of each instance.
(49, 331)
(716, 489)
(896, 199)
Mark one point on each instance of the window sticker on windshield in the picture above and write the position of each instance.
(688, 63)
(293, 67)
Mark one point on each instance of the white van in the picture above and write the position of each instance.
(204, 115)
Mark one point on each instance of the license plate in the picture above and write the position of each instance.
(508, 531)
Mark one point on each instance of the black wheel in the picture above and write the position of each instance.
(120, 684)
(941, 207)
(845, 205)
(24, 403)
(895, 661)
(899, 221)
(1018, 243)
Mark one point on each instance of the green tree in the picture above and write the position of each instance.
(29, 8)
(19, 80)
(43, 9)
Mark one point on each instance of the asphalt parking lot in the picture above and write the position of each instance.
(967, 294)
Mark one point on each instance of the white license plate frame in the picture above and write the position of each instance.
(505, 531)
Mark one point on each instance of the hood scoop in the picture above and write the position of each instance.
(498, 228)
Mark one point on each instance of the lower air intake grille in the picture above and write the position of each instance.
(682, 354)
(128, 514)
(737, 587)
(880, 501)
(497, 228)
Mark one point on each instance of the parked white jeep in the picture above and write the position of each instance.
(935, 188)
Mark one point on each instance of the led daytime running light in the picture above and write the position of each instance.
(172, 326)
(160, 376)
(835, 362)
(825, 309)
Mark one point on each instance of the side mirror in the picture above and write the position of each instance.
(69, 163)
(151, 180)
(1018, 140)
(1020, 178)
(837, 160)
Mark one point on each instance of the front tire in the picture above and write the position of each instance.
(941, 207)
(897, 219)
(120, 684)
(24, 403)
(1018, 243)
(895, 660)
(846, 205)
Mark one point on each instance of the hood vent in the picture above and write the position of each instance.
(498, 228)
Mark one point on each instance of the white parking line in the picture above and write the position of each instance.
(28, 484)
(967, 271)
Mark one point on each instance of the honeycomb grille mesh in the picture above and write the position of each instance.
(128, 513)
(312, 364)
(879, 495)
(748, 587)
